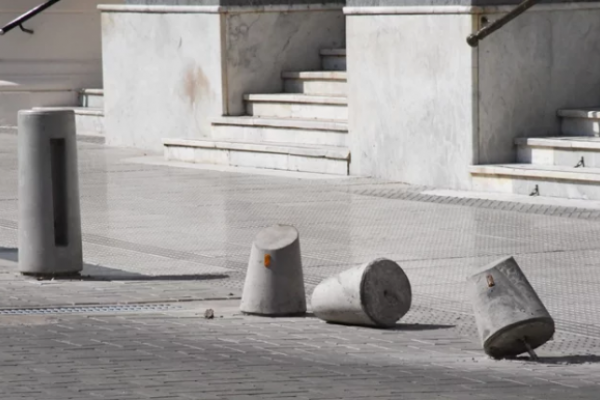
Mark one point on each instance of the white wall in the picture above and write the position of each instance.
(163, 76)
(424, 106)
(170, 70)
(410, 97)
(545, 60)
(46, 68)
(66, 45)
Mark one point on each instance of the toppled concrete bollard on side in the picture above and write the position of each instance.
(377, 293)
(510, 316)
(274, 283)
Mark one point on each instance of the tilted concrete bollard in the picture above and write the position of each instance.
(274, 283)
(510, 316)
(49, 213)
(375, 294)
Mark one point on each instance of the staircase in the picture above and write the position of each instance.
(89, 114)
(567, 166)
(303, 129)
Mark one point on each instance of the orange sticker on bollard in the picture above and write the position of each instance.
(267, 260)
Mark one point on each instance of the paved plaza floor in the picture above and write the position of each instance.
(164, 243)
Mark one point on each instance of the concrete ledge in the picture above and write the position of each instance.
(295, 98)
(591, 113)
(559, 173)
(329, 152)
(411, 9)
(333, 52)
(304, 124)
(166, 9)
(583, 143)
(316, 75)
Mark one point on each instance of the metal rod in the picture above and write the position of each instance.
(532, 354)
(26, 17)
(473, 39)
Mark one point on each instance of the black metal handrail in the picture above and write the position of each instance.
(26, 17)
(473, 40)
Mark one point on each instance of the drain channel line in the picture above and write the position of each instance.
(88, 310)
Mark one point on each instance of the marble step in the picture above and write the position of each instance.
(319, 83)
(91, 98)
(580, 122)
(333, 59)
(277, 156)
(297, 131)
(287, 105)
(542, 180)
(567, 151)
(89, 121)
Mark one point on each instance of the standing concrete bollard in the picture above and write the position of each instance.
(375, 294)
(274, 281)
(510, 316)
(49, 214)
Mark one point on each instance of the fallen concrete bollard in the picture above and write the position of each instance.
(510, 316)
(49, 214)
(375, 294)
(274, 283)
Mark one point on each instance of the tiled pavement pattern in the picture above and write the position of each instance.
(158, 234)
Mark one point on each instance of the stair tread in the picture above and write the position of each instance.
(333, 52)
(296, 98)
(316, 75)
(294, 123)
(570, 142)
(333, 152)
(78, 110)
(586, 112)
(538, 171)
(97, 92)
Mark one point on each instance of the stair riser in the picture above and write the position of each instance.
(547, 187)
(91, 100)
(316, 87)
(281, 135)
(296, 110)
(580, 127)
(237, 158)
(89, 124)
(334, 63)
(557, 156)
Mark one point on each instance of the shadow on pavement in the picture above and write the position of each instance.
(575, 359)
(93, 272)
(420, 327)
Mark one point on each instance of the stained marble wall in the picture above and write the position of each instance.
(170, 70)
(162, 76)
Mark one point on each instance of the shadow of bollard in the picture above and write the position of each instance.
(375, 294)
